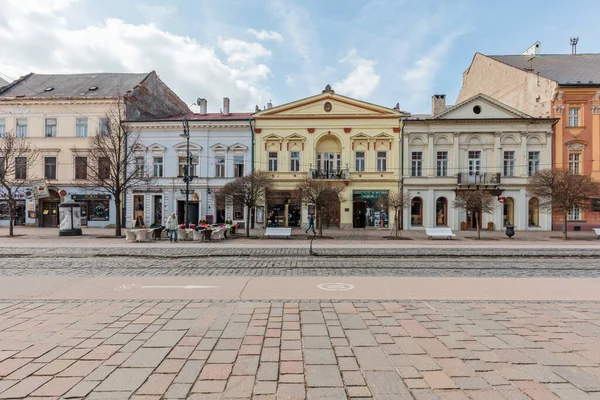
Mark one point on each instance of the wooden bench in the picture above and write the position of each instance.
(278, 232)
(597, 232)
(439, 232)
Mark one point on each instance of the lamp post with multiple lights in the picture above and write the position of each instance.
(187, 175)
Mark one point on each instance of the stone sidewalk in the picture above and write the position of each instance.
(299, 350)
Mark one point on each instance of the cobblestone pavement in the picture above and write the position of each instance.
(244, 266)
(299, 350)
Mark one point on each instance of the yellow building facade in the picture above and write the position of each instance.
(330, 137)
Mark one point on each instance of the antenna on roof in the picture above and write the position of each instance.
(574, 44)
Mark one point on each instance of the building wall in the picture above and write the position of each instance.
(525, 91)
(207, 140)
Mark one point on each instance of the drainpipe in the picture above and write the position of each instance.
(252, 152)
(401, 181)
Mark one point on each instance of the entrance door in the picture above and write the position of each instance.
(84, 212)
(472, 219)
(158, 207)
(49, 210)
(359, 214)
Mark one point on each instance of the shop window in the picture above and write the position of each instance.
(509, 211)
(81, 127)
(441, 212)
(381, 161)
(220, 167)
(50, 167)
(99, 210)
(442, 163)
(81, 167)
(295, 161)
(238, 208)
(21, 127)
(158, 167)
(533, 162)
(273, 162)
(238, 166)
(370, 209)
(50, 127)
(20, 167)
(359, 156)
(509, 163)
(534, 212)
(416, 212)
(573, 116)
(574, 163)
(575, 213)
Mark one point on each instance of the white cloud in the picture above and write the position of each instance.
(41, 40)
(362, 80)
(290, 81)
(266, 35)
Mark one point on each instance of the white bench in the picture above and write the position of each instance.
(278, 232)
(439, 232)
(597, 232)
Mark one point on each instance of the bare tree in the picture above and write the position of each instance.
(249, 189)
(112, 158)
(17, 158)
(321, 194)
(477, 202)
(396, 202)
(558, 191)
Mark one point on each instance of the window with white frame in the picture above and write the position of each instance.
(273, 161)
(574, 163)
(360, 161)
(533, 162)
(573, 116)
(575, 213)
(238, 166)
(21, 127)
(50, 167)
(474, 162)
(220, 166)
(442, 163)
(140, 168)
(157, 167)
(381, 161)
(81, 127)
(509, 163)
(294, 161)
(416, 163)
(2, 127)
(50, 127)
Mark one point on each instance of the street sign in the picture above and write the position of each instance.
(183, 191)
(501, 199)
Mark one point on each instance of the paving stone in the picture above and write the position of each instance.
(372, 359)
(313, 330)
(164, 339)
(124, 379)
(438, 380)
(178, 391)
(316, 342)
(323, 376)
(24, 387)
(146, 357)
(267, 371)
(386, 385)
(361, 338)
(189, 372)
(319, 356)
(157, 384)
(80, 368)
(215, 371)
(579, 378)
(209, 386)
(291, 391)
(326, 394)
(263, 388)
(222, 357)
(239, 386)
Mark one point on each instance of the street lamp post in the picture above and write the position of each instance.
(187, 177)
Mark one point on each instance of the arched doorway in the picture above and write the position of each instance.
(49, 210)
(416, 212)
(509, 211)
(534, 212)
(441, 212)
(329, 158)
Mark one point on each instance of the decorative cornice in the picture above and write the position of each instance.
(576, 146)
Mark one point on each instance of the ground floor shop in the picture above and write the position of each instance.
(431, 208)
(19, 213)
(152, 206)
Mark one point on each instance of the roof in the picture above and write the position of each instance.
(3, 82)
(73, 85)
(566, 69)
(204, 117)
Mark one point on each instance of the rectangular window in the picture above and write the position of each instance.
(474, 165)
(104, 168)
(50, 167)
(81, 168)
(21, 168)
(381, 161)
(2, 128)
(2, 167)
(21, 127)
(220, 166)
(238, 166)
(104, 127)
(295, 161)
(574, 161)
(183, 166)
(360, 161)
(574, 213)
(442, 163)
(533, 162)
(509, 163)
(157, 167)
(273, 162)
(573, 116)
(140, 167)
(81, 127)
(50, 127)
(416, 163)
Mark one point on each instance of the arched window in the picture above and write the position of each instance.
(416, 212)
(509, 211)
(441, 212)
(534, 212)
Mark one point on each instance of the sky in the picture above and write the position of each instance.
(381, 51)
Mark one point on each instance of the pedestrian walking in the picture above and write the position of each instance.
(311, 224)
(172, 227)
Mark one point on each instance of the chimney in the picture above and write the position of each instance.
(225, 105)
(438, 103)
(203, 105)
(269, 104)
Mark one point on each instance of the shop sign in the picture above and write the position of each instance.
(40, 189)
(156, 190)
(16, 196)
(90, 196)
(371, 195)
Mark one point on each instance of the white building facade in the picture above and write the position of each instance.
(221, 150)
(479, 144)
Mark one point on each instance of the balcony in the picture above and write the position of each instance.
(490, 179)
(337, 174)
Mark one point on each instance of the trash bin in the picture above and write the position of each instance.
(490, 226)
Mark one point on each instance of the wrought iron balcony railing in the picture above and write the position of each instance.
(486, 178)
(342, 173)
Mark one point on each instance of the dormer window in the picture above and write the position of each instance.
(93, 88)
(48, 89)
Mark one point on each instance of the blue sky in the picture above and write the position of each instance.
(385, 52)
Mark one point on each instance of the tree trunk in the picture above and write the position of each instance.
(11, 221)
(248, 222)
(118, 216)
(319, 215)
(478, 227)
(564, 230)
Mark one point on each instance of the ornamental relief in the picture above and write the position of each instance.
(596, 108)
(559, 109)
(576, 147)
